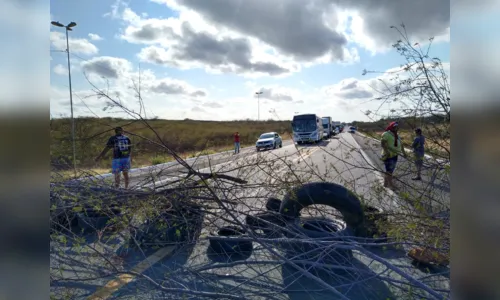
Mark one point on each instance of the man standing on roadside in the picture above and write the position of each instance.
(392, 147)
(122, 147)
(419, 152)
(236, 143)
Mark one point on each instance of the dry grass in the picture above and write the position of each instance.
(437, 133)
(188, 138)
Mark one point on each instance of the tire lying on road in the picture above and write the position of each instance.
(273, 204)
(270, 223)
(330, 194)
(307, 232)
(230, 245)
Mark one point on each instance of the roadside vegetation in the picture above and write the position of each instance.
(188, 138)
(436, 130)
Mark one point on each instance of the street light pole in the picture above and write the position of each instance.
(258, 104)
(68, 28)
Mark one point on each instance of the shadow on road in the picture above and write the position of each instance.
(387, 252)
(360, 284)
(220, 258)
(323, 143)
(432, 269)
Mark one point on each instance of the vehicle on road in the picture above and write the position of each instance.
(352, 129)
(327, 127)
(307, 128)
(269, 140)
(336, 130)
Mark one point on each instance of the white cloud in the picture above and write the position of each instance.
(213, 104)
(285, 38)
(60, 70)
(351, 88)
(76, 45)
(162, 96)
(192, 41)
(277, 94)
(95, 37)
(368, 94)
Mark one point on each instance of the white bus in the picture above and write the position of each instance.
(307, 128)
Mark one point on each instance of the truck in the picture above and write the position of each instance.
(336, 124)
(327, 127)
(307, 128)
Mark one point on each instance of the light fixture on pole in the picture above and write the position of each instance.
(68, 28)
(258, 104)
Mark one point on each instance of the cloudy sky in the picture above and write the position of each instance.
(206, 59)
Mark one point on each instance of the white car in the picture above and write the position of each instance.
(269, 140)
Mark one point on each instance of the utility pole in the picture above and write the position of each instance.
(68, 28)
(258, 104)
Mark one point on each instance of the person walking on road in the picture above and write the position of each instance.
(392, 148)
(236, 143)
(122, 160)
(419, 152)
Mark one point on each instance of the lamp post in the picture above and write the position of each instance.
(68, 28)
(258, 104)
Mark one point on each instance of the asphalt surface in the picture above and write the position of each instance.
(268, 173)
(433, 191)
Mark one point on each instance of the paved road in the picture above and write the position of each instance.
(434, 189)
(337, 160)
(155, 174)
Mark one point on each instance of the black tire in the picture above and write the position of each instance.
(257, 149)
(326, 193)
(230, 247)
(319, 229)
(274, 145)
(281, 144)
(273, 204)
(259, 222)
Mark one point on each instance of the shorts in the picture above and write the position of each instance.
(120, 165)
(419, 160)
(390, 164)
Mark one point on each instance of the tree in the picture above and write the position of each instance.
(421, 88)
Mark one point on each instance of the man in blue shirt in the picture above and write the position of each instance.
(122, 148)
(419, 152)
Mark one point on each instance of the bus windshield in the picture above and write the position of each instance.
(304, 125)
